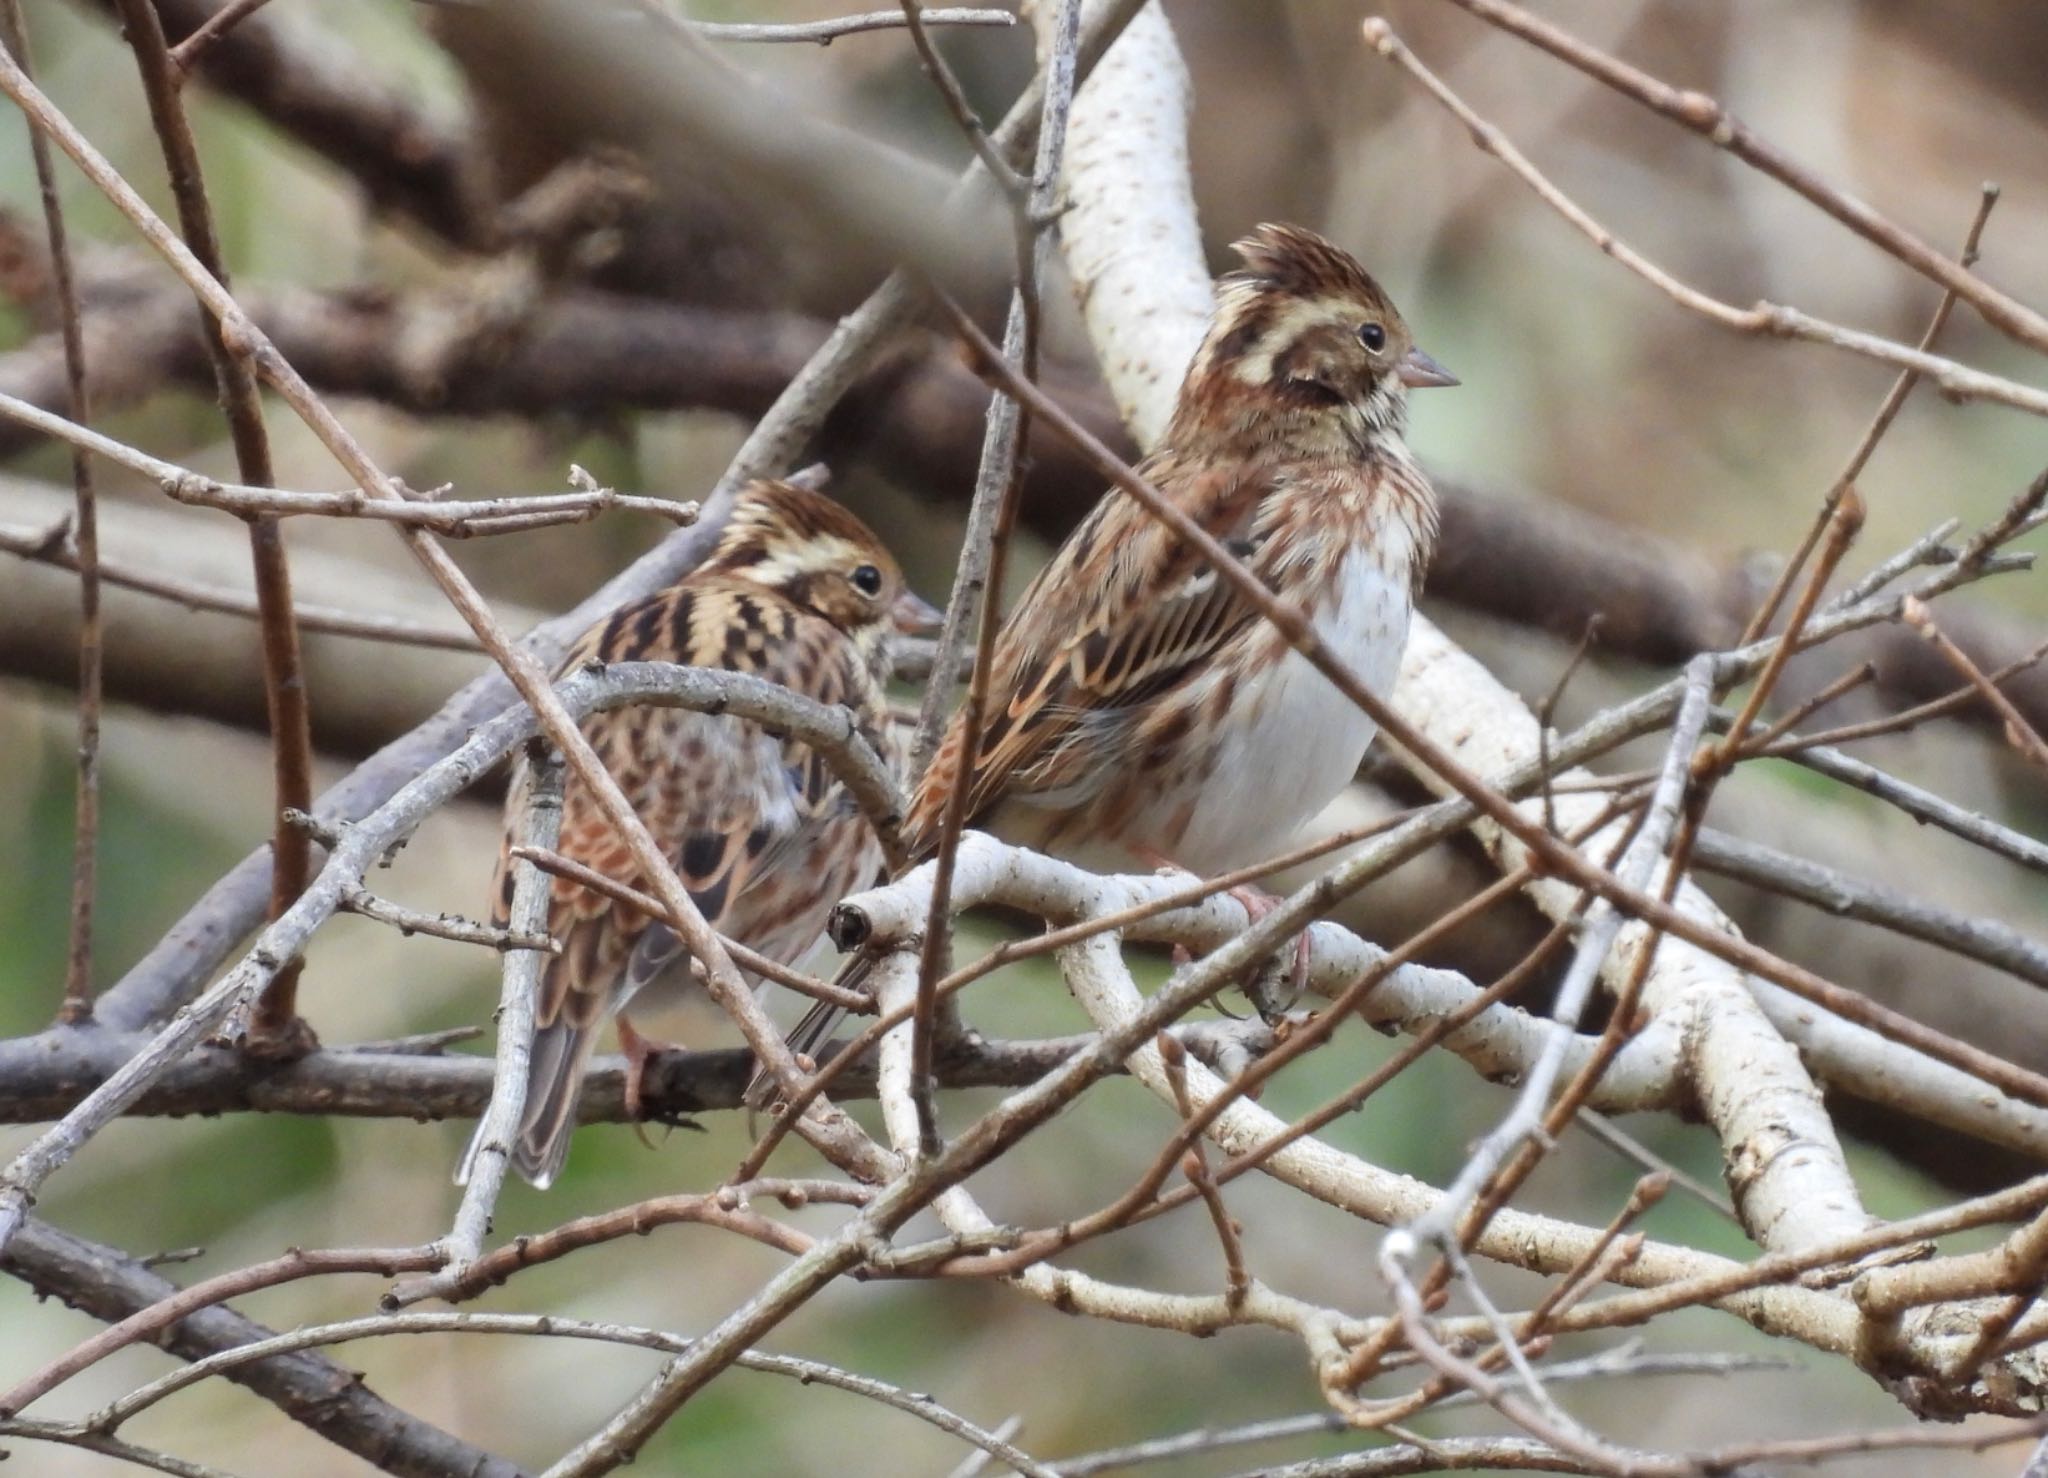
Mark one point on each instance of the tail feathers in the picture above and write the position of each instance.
(554, 1086)
(809, 1036)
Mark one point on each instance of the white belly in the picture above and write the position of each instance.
(1297, 741)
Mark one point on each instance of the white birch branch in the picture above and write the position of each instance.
(1794, 1188)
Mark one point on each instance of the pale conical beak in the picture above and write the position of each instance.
(1418, 371)
(912, 615)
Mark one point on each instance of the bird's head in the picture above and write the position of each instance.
(812, 552)
(1304, 347)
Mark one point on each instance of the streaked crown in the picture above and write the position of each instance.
(1305, 348)
(812, 552)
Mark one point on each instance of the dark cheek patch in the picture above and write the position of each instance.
(1244, 335)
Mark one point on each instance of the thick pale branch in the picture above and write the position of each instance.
(1502, 1043)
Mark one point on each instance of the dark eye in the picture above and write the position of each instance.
(867, 580)
(1372, 336)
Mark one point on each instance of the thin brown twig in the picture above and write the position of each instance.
(274, 1025)
(1194, 1163)
(1704, 116)
(999, 482)
(54, 547)
(1547, 712)
(1636, 1152)
(825, 32)
(1887, 412)
(187, 53)
(725, 1208)
(940, 73)
(2022, 735)
(557, 865)
(1646, 1192)
(1905, 718)
(76, 1005)
(161, 1315)
(1844, 521)
(1858, 676)
(1764, 319)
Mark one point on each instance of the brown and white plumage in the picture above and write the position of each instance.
(1144, 710)
(797, 591)
(1140, 709)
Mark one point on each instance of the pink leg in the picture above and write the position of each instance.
(639, 1051)
(1257, 903)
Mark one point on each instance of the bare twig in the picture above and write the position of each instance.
(55, 547)
(1838, 893)
(187, 53)
(77, 1001)
(150, 1322)
(1237, 1281)
(727, 1208)
(482, 1174)
(2022, 735)
(65, 1434)
(409, 921)
(451, 517)
(1625, 1362)
(336, 1403)
(1711, 121)
(825, 32)
(1772, 320)
(990, 521)
(274, 1027)
(1887, 412)
(1627, 1145)
(1919, 803)
(552, 1326)
(416, 1079)
(948, 87)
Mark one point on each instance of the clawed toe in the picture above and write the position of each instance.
(1257, 905)
(640, 1053)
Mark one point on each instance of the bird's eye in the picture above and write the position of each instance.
(867, 580)
(1372, 336)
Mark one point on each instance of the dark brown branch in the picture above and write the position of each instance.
(275, 1026)
(310, 1388)
(41, 1077)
